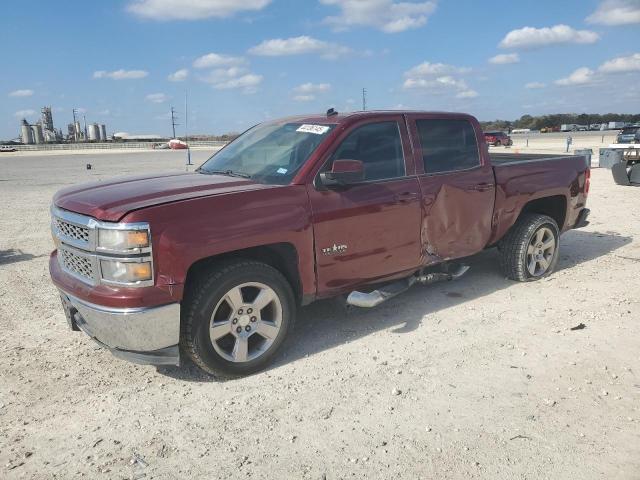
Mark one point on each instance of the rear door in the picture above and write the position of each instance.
(457, 184)
(371, 230)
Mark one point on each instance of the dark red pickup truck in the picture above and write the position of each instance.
(214, 263)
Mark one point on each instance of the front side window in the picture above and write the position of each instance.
(269, 153)
(378, 146)
(447, 145)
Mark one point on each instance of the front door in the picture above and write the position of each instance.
(371, 230)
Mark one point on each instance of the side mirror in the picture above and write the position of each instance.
(343, 172)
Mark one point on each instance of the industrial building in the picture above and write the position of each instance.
(43, 131)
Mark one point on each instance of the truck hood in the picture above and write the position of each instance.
(113, 199)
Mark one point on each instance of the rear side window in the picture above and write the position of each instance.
(378, 147)
(447, 145)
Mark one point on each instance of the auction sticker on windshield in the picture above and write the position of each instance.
(317, 129)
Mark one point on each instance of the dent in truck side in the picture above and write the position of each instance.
(457, 203)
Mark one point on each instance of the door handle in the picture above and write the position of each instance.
(480, 187)
(406, 197)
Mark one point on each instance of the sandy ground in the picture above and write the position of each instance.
(479, 378)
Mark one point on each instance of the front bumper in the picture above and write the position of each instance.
(140, 335)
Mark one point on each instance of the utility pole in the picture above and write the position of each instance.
(75, 134)
(364, 99)
(173, 121)
(186, 129)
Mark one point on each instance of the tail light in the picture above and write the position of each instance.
(587, 180)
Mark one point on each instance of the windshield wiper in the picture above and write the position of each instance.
(229, 173)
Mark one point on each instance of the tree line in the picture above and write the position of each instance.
(555, 120)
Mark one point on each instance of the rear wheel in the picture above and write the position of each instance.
(237, 317)
(529, 251)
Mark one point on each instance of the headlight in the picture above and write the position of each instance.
(123, 240)
(125, 272)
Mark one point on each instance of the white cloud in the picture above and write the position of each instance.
(385, 15)
(247, 83)
(438, 84)
(307, 91)
(505, 58)
(621, 64)
(467, 94)
(24, 113)
(233, 78)
(121, 74)
(312, 87)
(529, 37)
(304, 98)
(581, 76)
(427, 69)
(179, 75)
(298, 46)
(213, 60)
(220, 75)
(156, 98)
(438, 78)
(167, 10)
(616, 12)
(534, 85)
(21, 93)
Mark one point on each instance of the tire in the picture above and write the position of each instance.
(533, 238)
(218, 323)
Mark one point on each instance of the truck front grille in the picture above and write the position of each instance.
(72, 231)
(77, 264)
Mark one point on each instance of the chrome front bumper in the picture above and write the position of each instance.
(139, 335)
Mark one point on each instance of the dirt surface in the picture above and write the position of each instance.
(478, 378)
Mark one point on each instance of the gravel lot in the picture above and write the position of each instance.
(479, 378)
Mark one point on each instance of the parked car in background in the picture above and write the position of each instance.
(629, 135)
(497, 139)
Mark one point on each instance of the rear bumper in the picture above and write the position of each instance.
(582, 218)
(140, 335)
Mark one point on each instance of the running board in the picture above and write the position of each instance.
(375, 298)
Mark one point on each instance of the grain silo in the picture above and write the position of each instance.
(38, 136)
(93, 132)
(26, 133)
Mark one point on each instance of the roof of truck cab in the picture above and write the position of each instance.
(341, 117)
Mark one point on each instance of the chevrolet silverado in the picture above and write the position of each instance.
(214, 263)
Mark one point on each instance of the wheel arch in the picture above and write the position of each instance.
(281, 256)
(554, 206)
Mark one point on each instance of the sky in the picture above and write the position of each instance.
(126, 62)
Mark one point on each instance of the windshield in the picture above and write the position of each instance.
(269, 153)
(628, 131)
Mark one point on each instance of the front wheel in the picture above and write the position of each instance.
(237, 317)
(529, 251)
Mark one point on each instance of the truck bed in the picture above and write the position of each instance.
(499, 159)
